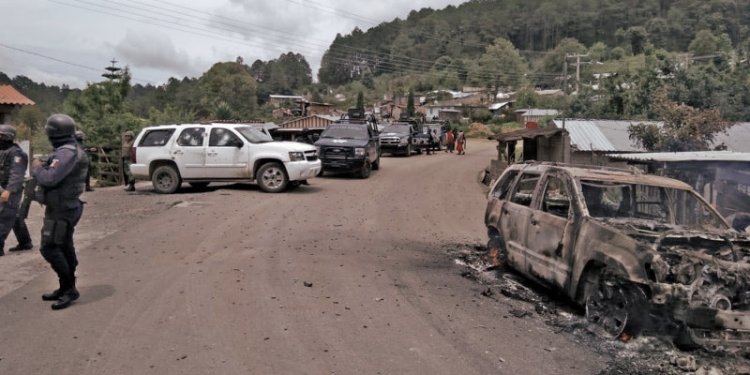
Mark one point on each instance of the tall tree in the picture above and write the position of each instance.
(410, 109)
(684, 128)
(360, 101)
(228, 85)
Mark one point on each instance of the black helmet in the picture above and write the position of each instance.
(59, 126)
(7, 132)
(80, 135)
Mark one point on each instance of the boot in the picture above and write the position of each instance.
(66, 299)
(54, 296)
(131, 187)
(20, 247)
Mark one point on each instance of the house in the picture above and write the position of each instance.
(309, 122)
(11, 99)
(591, 140)
(530, 117)
(722, 177)
(736, 138)
(499, 109)
(522, 145)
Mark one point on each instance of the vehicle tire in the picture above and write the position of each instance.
(419, 150)
(376, 164)
(272, 178)
(497, 255)
(198, 185)
(408, 150)
(365, 171)
(166, 179)
(616, 307)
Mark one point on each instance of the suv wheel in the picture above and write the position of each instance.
(615, 306)
(166, 179)
(365, 171)
(272, 178)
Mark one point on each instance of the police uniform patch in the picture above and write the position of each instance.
(55, 163)
(17, 159)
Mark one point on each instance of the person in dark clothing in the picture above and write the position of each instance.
(80, 138)
(13, 162)
(305, 136)
(62, 178)
(128, 138)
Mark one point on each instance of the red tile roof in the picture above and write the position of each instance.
(9, 95)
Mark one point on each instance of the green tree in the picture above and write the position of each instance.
(360, 101)
(100, 110)
(229, 83)
(500, 67)
(684, 128)
(410, 109)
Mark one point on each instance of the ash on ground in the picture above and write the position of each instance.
(650, 353)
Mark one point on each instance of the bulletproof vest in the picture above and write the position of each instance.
(6, 162)
(73, 185)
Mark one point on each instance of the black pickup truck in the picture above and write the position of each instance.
(349, 146)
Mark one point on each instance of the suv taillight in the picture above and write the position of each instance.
(132, 155)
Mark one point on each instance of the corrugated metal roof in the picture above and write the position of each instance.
(736, 139)
(496, 106)
(9, 95)
(600, 135)
(536, 112)
(718, 156)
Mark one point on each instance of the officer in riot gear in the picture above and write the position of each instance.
(62, 180)
(13, 163)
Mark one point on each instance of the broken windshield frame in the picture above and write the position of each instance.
(647, 202)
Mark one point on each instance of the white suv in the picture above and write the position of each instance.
(203, 153)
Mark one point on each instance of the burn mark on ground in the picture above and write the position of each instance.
(654, 352)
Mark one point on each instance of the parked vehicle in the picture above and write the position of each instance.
(349, 145)
(430, 136)
(203, 153)
(635, 250)
(401, 138)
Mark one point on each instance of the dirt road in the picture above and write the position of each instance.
(345, 276)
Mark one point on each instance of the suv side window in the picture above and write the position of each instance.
(156, 138)
(556, 197)
(524, 192)
(221, 137)
(501, 189)
(191, 137)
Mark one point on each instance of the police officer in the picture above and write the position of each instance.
(13, 162)
(62, 179)
(127, 143)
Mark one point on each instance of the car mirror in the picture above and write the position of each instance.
(238, 144)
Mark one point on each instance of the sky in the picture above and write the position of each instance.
(71, 41)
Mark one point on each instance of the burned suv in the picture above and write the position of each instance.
(637, 251)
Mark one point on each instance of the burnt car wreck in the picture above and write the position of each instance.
(638, 252)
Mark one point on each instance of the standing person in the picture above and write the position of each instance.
(305, 136)
(62, 179)
(13, 162)
(128, 138)
(449, 141)
(461, 143)
(80, 137)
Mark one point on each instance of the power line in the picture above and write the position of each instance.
(385, 66)
(37, 54)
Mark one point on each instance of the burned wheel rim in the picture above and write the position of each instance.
(609, 307)
(273, 177)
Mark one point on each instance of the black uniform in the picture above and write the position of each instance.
(62, 180)
(13, 162)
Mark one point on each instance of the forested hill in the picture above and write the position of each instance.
(463, 32)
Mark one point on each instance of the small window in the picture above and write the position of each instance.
(156, 138)
(221, 137)
(191, 137)
(524, 192)
(556, 198)
(501, 189)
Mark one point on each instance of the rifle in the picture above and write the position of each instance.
(29, 195)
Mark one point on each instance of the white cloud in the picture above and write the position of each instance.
(155, 51)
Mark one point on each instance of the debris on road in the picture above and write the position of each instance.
(651, 353)
(307, 284)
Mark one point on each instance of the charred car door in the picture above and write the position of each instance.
(551, 231)
(514, 218)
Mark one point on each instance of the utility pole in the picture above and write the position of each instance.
(577, 56)
(565, 76)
